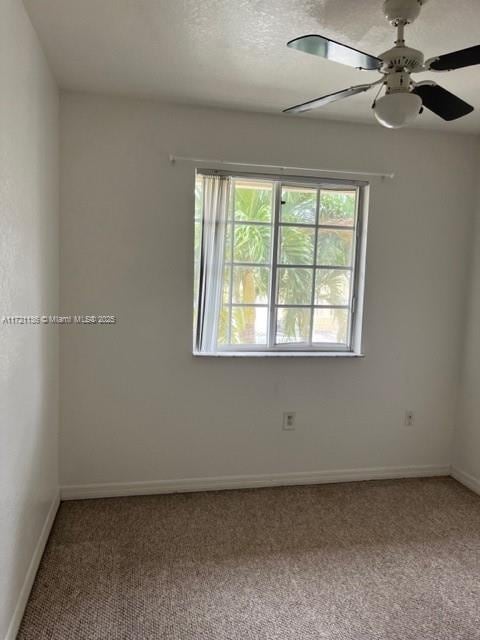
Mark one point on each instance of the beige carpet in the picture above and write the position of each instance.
(395, 560)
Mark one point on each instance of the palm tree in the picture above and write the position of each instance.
(252, 244)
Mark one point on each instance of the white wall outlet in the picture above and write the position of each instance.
(409, 418)
(288, 421)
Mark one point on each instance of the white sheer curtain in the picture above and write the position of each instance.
(216, 198)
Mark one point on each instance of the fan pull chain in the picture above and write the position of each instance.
(378, 93)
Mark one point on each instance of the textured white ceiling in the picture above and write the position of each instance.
(232, 53)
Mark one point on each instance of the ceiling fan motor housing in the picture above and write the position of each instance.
(401, 58)
(402, 11)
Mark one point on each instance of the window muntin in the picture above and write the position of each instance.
(290, 268)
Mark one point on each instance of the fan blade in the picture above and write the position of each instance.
(456, 60)
(331, 97)
(442, 102)
(325, 48)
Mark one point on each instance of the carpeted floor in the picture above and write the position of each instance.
(394, 560)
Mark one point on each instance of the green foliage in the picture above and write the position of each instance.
(337, 207)
(252, 243)
(296, 245)
(334, 247)
(299, 206)
(252, 204)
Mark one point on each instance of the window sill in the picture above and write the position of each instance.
(281, 354)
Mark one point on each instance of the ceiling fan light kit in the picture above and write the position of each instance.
(404, 98)
(397, 110)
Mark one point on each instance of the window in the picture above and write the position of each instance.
(279, 265)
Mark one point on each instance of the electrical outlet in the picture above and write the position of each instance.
(288, 421)
(409, 418)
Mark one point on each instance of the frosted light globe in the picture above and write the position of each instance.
(397, 110)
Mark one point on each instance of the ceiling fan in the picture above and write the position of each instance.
(404, 98)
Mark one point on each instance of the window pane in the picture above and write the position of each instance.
(223, 322)
(249, 325)
(299, 205)
(226, 285)
(294, 286)
(332, 286)
(330, 326)
(337, 207)
(334, 248)
(252, 243)
(198, 239)
(313, 266)
(227, 255)
(196, 276)
(250, 285)
(297, 245)
(199, 198)
(253, 200)
(293, 325)
(196, 264)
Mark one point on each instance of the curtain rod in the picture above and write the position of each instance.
(374, 174)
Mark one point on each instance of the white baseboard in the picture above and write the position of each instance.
(466, 479)
(32, 570)
(117, 489)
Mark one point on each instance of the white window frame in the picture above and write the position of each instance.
(357, 289)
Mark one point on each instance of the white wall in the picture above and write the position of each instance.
(466, 455)
(136, 406)
(28, 285)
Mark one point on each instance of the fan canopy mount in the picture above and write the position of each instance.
(402, 11)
